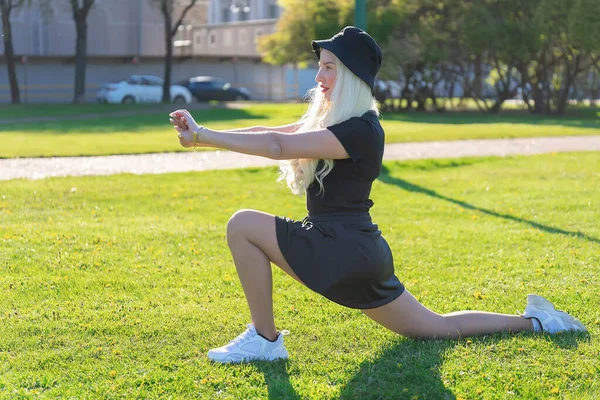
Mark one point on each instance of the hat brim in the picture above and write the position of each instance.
(317, 45)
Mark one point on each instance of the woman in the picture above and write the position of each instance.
(333, 154)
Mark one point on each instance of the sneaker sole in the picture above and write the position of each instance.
(228, 359)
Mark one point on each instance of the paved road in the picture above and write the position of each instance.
(39, 168)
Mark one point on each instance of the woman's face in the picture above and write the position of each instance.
(327, 73)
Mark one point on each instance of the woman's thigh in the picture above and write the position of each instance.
(260, 230)
(407, 316)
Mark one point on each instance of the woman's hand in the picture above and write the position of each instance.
(184, 123)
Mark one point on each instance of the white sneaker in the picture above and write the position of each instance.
(551, 319)
(249, 346)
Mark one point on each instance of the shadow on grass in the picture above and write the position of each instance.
(134, 122)
(138, 120)
(411, 368)
(385, 177)
(568, 340)
(407, 369)
(277, 379)
(576, 117)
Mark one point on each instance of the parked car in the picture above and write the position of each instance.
(206, 88)
(141, 89)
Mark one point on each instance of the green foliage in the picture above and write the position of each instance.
(540, 46)
(301, 23)
(584, 26)
(506, 29)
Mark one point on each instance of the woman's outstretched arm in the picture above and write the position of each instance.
(291, 128)
(319, 144)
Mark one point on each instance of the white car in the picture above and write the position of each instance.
(141, 89)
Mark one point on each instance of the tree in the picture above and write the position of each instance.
(81, 10)
(167, 8)
(301, 22)
(504, 36)
(490, 48)
(6, 8)
(423, 48)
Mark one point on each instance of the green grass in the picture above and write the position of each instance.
(11, 111)
(149, 131)
(117, 286)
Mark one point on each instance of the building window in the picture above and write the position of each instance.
(243, 37)
(36, 36)
(227, 38)
(273, 9)
(226, 11)
(237, 10)
(40, 40)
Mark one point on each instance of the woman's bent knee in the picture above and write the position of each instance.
(240, 223)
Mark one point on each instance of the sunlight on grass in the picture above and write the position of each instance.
(150, 132)
(117, 286)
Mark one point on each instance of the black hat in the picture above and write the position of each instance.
(356, 49)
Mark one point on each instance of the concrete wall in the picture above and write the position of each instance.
(44, 80)
(299, 81)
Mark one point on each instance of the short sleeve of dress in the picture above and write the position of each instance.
(358, 136)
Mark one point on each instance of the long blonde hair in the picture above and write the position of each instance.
(351, 97)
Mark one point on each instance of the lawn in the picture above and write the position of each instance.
(149, 131)
(117, 286)
(11, 111)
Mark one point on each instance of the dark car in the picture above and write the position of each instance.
(206, 88)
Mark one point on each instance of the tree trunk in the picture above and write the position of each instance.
(166, 96)
(167, 8)
(80, 59)
(406, 92)
(594, 89)
(80, 15)
(525, 85)
(495, 109)
(9, 52)
(421, 99)
(563, 98)
(405, 95)
(539, 105)
(478, 81)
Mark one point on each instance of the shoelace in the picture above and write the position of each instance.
(250, 333)
(246, 335)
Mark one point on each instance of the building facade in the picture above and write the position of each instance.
(216, 38)
(115, 28)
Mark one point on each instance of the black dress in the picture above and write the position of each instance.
(337, 250)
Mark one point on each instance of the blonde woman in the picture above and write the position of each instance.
(333, 155)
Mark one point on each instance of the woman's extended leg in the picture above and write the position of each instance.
(252, 239)
(407, 316)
